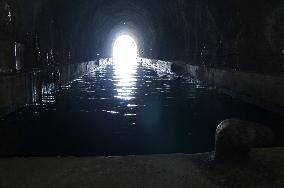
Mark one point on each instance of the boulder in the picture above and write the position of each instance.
(235, 137)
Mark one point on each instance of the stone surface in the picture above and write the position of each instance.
(266, 169)
(5, 19)
(234, 139)
(262, 89)
(7, 56)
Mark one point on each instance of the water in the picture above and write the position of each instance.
(118, 110)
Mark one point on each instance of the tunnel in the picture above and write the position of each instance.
(141, 93)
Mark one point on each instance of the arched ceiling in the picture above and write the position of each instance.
(149, 21)
(237, 33)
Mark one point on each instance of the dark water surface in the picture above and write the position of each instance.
(122, 111)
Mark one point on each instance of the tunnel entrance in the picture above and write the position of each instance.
(125, 49)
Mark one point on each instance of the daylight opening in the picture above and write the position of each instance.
(125, 49)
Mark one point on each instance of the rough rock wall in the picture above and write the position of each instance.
(237, 34)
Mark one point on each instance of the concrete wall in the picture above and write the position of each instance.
(262, 89)
(20, 89)
(7, 56)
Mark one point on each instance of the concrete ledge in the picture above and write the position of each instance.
(177, 170)
(261, 89)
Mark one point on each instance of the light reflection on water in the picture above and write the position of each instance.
(121, 109)
(125, 79)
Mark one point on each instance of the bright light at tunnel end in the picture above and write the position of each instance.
(125, 63)
(125, 50)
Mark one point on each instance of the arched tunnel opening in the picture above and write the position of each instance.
(144, 80)
(125, 49)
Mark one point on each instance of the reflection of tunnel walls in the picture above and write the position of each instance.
(18, 90)
(237, 34)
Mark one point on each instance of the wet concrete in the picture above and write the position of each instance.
(262, 89)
